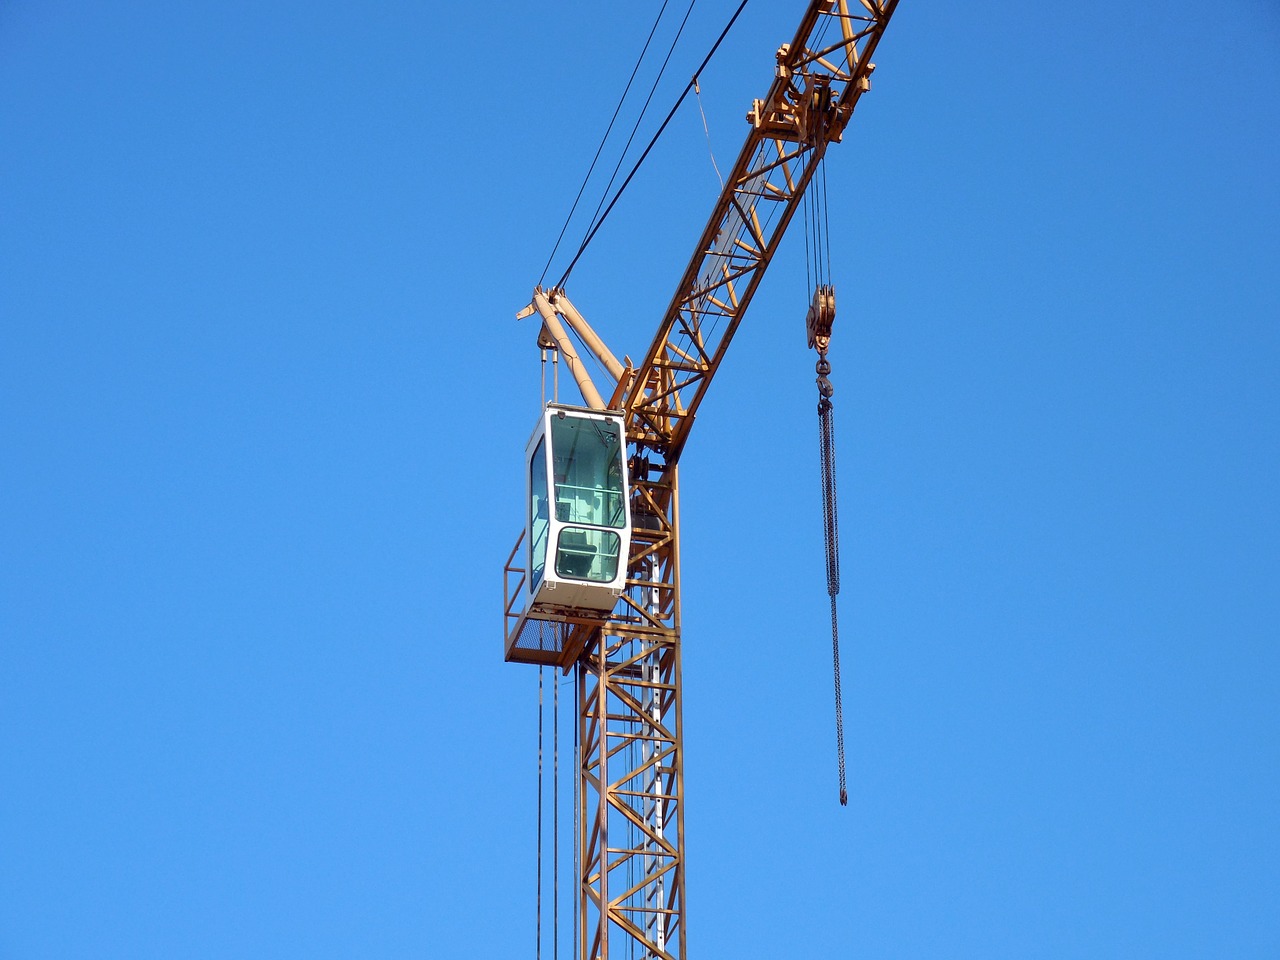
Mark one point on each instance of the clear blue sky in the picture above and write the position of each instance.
(263, 404)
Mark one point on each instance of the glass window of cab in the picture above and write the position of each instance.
(587, 464)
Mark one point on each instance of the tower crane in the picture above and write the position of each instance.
(592, 585)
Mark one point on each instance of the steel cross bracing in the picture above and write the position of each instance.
(631, 782)
(631, 818)
(821, 75)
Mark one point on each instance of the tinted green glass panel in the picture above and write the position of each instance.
(539, 514)
(588, 471)
(587, 554)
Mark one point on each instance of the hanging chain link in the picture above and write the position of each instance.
(831, 526)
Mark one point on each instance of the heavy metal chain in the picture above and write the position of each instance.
(827, 449)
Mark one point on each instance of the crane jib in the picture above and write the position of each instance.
(790, 131)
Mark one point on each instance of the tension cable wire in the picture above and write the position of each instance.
(555, 815)
(804, 207)
(643, 110)
(578, 681)
(604, 139)
(826, 212)
(679, 100)
(707, 130)
(538, 933)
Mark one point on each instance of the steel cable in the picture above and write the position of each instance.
(578, 683)
(679, 100)
(643, 110)
(538, 929)
(604, 139)
(555, 818)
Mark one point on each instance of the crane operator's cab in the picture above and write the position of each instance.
(578, 523)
